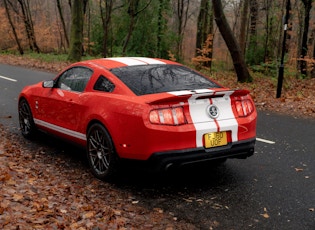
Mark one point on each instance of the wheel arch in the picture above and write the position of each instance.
(22, 97)
(92, 122)
(98, 121)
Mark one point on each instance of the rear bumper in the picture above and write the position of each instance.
(163, 160)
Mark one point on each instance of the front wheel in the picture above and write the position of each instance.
(101, 154)
(26, 120)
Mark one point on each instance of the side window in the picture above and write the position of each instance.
(74, 79)
(103, 84)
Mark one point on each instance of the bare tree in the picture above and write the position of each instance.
(234, 48)
(243, 26)
(313, 56)
(28, 23)
(313, 64)
(106, 7)
(267, 27)
(13, 28)
(252, 47)
(63, 22)
(307, 9)
(161, 26)
(133, 12)
(181, 12)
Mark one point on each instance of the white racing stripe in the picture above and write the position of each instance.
(149, 60)
(203, 124)
(60, 129)
(265, 141)
(7, 78)
(202, 121)
(129, 61)
(226, 119)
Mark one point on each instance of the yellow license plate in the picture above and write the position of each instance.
(215, 139)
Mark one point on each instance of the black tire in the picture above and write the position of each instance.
(26, 120)
(101, 154)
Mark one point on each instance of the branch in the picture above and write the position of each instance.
(146, 6)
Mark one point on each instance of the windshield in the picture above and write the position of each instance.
(149, 79)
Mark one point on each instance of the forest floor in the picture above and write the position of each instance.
(40, 189)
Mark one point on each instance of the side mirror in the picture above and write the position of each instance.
(48, 84)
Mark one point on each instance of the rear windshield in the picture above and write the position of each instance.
(149, 79)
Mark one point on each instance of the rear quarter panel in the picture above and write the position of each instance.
(121, 115)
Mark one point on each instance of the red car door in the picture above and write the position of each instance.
(60, 108)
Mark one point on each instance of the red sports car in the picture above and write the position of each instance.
(142, 109)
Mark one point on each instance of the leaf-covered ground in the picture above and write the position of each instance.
(40, 189)
(298, 95)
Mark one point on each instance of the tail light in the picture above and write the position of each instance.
(244, 106)
(168, 116)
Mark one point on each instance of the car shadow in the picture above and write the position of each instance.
(135, 177)
(197, 176)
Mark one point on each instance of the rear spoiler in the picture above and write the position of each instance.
(193, 95)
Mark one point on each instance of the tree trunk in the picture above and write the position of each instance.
(307, 8)
(130, 30)
(13, 28)
(160, 28)
(182, 18)
(76, 36)
(252, 48)
(205, 33)
(313, 63)
(26, 13)
(244, 19)
(202, 24)
(234, 48)
(268, 28)
(133, 11)
(106, 19)
(63, 22)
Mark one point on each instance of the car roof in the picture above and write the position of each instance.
(117, 62)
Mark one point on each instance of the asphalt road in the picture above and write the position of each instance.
(12, 81)
(274, 189)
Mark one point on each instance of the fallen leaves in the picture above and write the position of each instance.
(298, 169)
(41, 190)
(1, 210)
(265, 214)
(4, 176)
(88, 215)
(33, 63)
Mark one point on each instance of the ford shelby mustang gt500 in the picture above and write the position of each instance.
(143, 109)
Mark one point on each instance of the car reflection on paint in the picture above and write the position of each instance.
(150, 110)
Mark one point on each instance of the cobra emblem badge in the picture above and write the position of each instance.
(213, 111)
